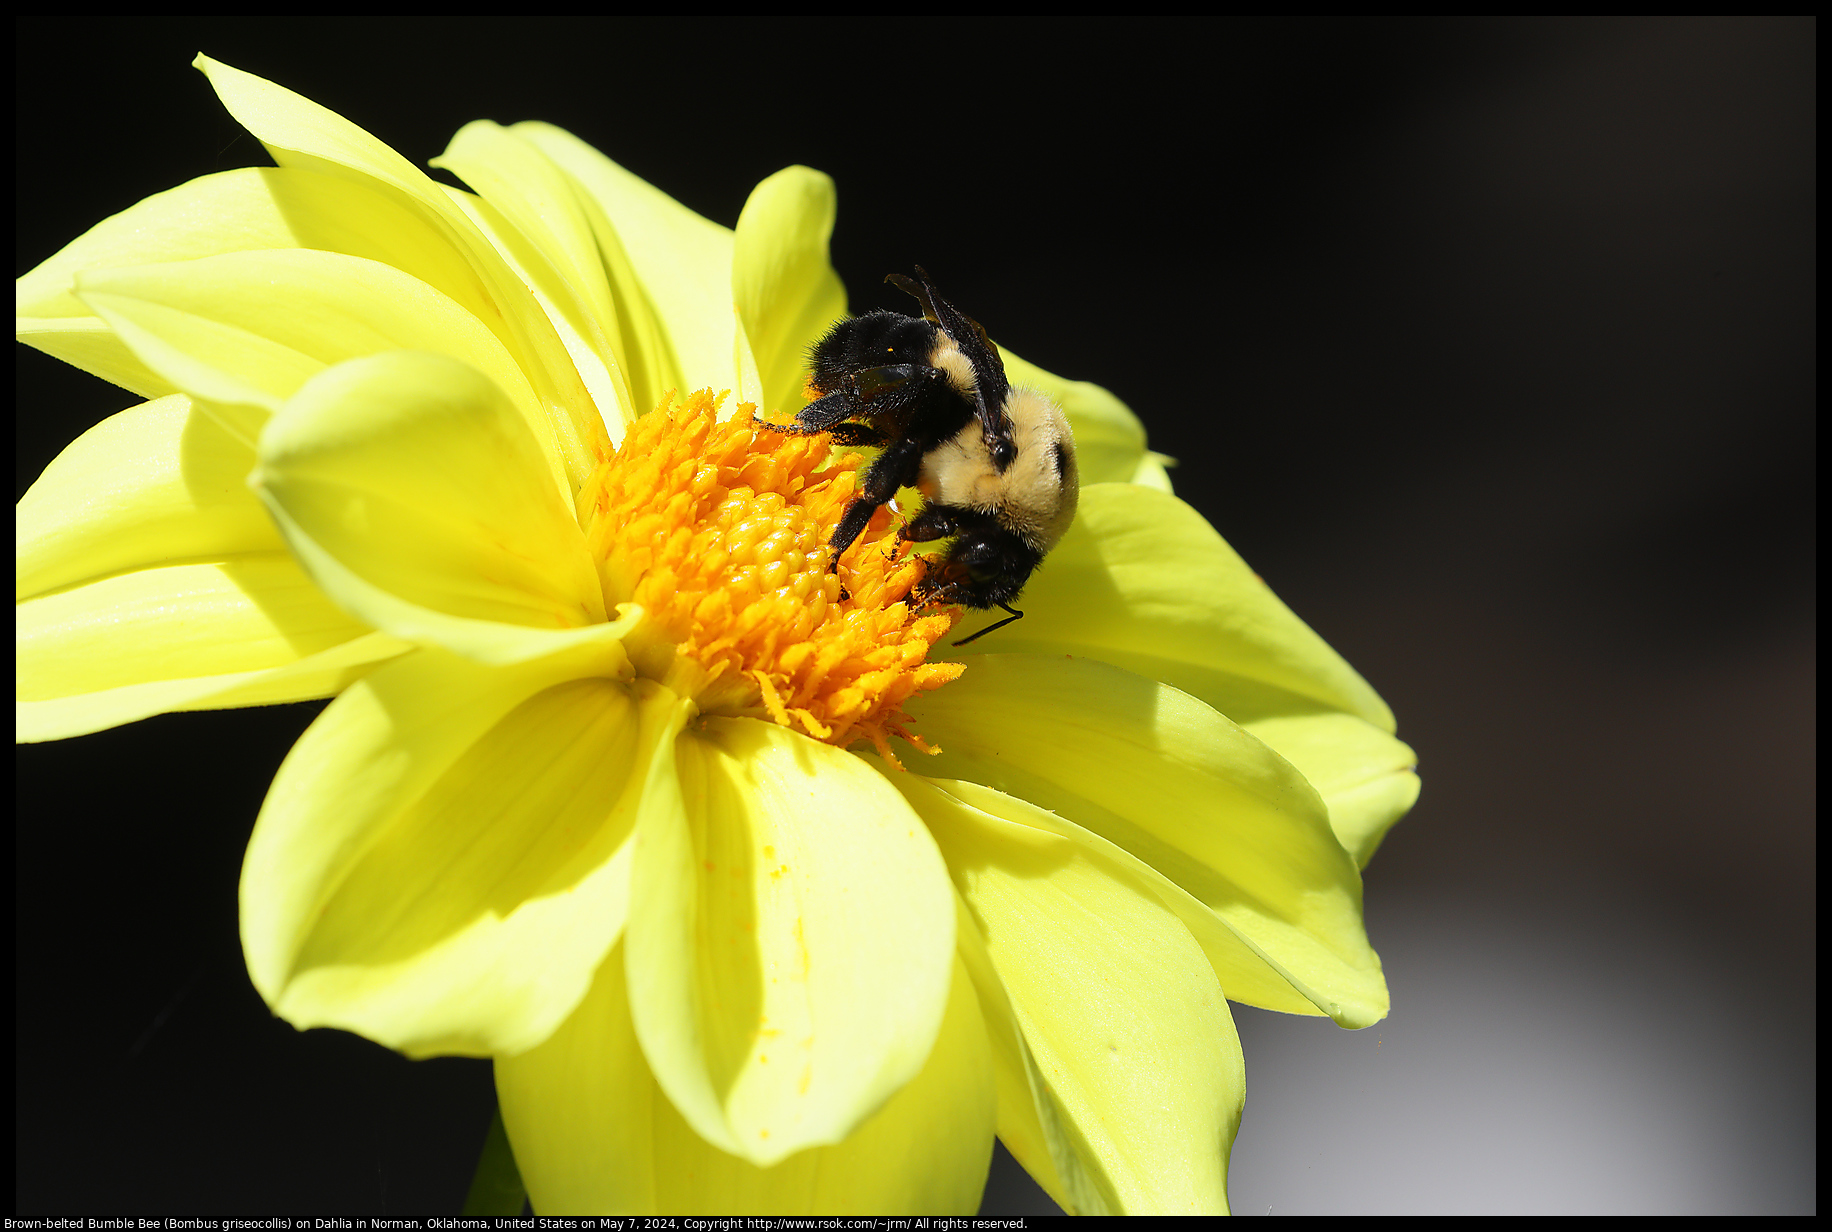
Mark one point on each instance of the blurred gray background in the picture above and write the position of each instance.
(1488, 343)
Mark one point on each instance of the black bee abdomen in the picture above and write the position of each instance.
(877, 339)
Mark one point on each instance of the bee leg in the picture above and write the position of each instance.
(857, 434)
(896, 466)
(934, 522)
(851, 525)
(842, 433)
(817, 417)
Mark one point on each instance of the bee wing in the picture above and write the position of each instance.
(991, 387)
(910, 287)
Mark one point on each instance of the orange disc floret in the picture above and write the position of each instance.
(719, 532)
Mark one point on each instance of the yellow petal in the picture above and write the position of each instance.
(245, 210)
(790, 940)
(1143, 582)
(249, 209)
(249, 631)
(208, 216)
(417, 498)
(153, 484)
(1032, 1125)
(1241, 967)
(785, 287)
(443, 859)
(1118, 1005)
(1364, 775)
(145, 521)
(682, 261)
(189, 332)
(550, 239)
(302, 135)
(594, 1134)
(1152, 471)
(298, 132)
(253, 327)
(1169, 780)
(88, 343)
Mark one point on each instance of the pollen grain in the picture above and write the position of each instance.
(719, 532)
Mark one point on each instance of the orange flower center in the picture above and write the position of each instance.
(718, 531)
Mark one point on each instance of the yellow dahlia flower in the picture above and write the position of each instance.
(762, 896)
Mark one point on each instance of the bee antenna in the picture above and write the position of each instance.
(991, 628)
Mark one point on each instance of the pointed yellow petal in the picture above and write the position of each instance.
(443, 859)
(417, 498)
(153, 484)
(1243, 969)
(189, 333)
(1143, 582)
(253, 327)
(682, 261)
(246, 210)
(205, 636)
(1168, 779)
(88, 343)
(208, 216)
(593, 1133)
(790, 940)
(1152, 471)
(302, 135)
(1117, 1003)
(145, 521)
(1364, 775)
(785, 287)
(1032, 1124)
(548, 234)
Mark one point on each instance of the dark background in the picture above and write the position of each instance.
(1488, 343)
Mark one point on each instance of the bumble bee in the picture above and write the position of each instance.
(995, 465)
